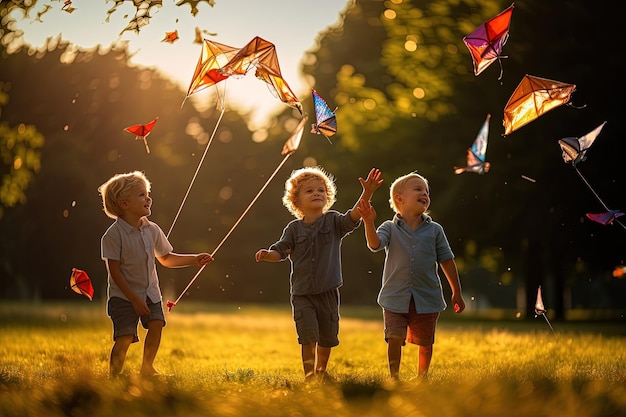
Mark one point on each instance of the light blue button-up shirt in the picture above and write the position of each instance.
(411, 265)
(136, 249)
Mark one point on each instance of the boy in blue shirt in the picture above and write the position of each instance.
(411, 294)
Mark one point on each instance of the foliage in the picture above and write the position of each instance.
(408, 100)
(244, 360)
(19, 159)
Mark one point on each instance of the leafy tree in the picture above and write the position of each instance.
(408, 99)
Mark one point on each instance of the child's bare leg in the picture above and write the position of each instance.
(323, 354)
(308, 359)
(118, 353)
(394, 355)
(425, 355)
(151, 347)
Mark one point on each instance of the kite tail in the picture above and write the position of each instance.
(576, 107)
(501, 68)
(197, 170)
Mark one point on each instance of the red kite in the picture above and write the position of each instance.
(477, 153)
(486, 42)
(605, 218)
(81, 284)
(141, 131)
(325, 119)
(171, 37)
(533, 97)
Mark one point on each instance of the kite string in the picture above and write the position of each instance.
(235, 225)
(548, 321)
(251, 203)
(197, 170)
(599, 199)
(592, 190)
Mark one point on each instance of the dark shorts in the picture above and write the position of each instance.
(414, 328)
(317, 318)
(125, 320)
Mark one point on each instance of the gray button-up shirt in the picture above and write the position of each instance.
(136, 249)
(314, 250)
(411, 265)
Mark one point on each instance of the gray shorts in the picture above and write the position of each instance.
(317, 318)
(125, 320)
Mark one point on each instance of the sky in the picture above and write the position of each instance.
(291, 25)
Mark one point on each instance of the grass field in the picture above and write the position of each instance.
(228, 360)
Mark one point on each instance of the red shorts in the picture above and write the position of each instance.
(414, 328)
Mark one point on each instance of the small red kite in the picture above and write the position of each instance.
(170, 37)
(608, 217)
(81, 284)
(142, 131)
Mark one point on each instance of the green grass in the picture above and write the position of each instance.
(228, 360)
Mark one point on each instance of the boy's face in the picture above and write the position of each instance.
(138, 202)
(415, 197)
(312, 195)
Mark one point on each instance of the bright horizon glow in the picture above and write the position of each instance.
(292, 26)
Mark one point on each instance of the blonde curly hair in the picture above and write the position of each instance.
(118, 188)
(298, 178)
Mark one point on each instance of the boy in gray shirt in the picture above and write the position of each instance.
(312, 243)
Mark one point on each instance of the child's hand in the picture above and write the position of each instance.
(366, 211)
(203, 259)
(261, 255)
(459, 303)
(372, 182)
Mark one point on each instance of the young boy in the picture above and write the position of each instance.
(312, 243)
(129, 247)
(411, 294)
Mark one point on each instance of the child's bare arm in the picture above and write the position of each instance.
(140, 306)
(452, 274)
(178, 260)
(368, 214)
(370, 184)
(267, 255)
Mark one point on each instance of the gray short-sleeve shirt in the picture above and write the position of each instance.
(136, 249)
